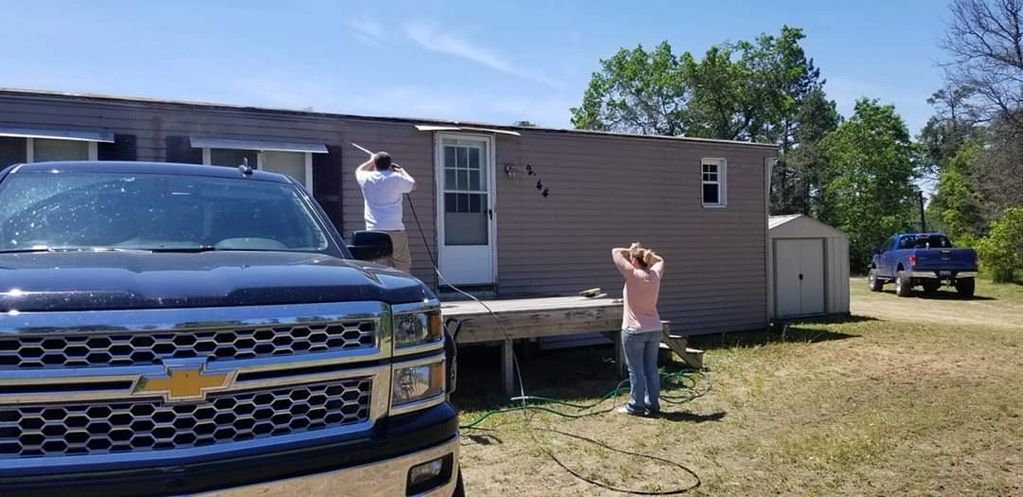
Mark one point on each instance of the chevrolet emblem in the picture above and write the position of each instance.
(184, 381)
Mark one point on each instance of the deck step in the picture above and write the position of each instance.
(680, 346)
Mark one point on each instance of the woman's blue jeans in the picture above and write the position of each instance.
(641, 356)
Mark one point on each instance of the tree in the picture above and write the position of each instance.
(1001, 253)
(948, 129)
(868, 187)
(998, 174)
(985, 39)
(636, 91)
(524, 124)
(956, 204)
(796, 179)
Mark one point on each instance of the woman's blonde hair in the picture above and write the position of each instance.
(644, 256)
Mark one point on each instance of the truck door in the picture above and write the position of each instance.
(885, 267)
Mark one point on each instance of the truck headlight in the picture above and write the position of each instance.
(417, 382)
(417, 328)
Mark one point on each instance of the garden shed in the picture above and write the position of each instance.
(809, 268)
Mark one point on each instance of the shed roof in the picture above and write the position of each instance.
(798, 225)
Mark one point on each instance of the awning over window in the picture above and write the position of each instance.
(276, 146)
(431, 127)
(59, 134)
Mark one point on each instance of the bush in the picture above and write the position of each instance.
(1000, 252)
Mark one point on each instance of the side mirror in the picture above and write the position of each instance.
(370, 245)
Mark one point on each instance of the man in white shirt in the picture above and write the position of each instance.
(383, 184)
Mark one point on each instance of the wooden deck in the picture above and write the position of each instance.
(515, 319)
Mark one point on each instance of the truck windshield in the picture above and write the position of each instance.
(153, 212)
(924, 242)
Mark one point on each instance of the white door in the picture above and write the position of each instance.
(799, 277)
(465, 174)
(811, 270)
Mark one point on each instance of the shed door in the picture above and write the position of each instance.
(465, 171)
(799, 277)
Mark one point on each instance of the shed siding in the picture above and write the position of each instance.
(608, 191)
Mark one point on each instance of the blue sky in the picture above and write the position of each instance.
(497, 61)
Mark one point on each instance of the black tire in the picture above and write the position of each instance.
(459, 486)
(931, 287)
(875, 283)
(965, 287)
(903, 285)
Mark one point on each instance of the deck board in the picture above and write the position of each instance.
(533, 317)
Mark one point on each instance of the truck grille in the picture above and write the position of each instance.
(148, 425)
(137, 349)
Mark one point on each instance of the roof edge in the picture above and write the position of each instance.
(410, 120)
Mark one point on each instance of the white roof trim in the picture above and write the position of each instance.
(233, 144)
(59, 134)
(431, 127)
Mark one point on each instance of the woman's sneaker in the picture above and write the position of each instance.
(628, 410)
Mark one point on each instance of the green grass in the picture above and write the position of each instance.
(863, 407)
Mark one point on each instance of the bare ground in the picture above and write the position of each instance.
(913, 397)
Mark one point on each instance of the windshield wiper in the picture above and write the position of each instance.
(43, 248)
(184, 250)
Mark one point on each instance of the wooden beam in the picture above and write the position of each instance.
(508, 368)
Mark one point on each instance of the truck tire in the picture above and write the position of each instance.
(931, 287)
(903, 285)
(876, 285)
(965, 287)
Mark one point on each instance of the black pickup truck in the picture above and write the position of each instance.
(177, 329)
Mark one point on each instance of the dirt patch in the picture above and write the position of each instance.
(992, 306)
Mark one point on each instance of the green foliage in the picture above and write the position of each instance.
(750, 90)
(955, 202)
(868, 187)
(1001, 253)
(764, 90)
(636, 91)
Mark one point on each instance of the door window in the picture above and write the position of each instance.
(466, 198)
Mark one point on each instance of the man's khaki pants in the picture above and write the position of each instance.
(400, 258)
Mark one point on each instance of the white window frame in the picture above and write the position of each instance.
(30, 149)
(722, 182)
(208, 161)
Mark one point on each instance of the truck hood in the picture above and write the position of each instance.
(80, 281)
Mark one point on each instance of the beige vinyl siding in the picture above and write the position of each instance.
(608, 191)
(414, 151)
(605, 191)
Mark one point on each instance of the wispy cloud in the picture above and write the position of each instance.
(368, 31)
(431, 38)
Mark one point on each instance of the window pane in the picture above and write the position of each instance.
(463, 179)
(47, 150)
(12, 151)
(710, 168)
(449, 179)
(474, 180)
(463, 160)
(468, 228)
(710, 194)
(286, 163)
(474, 158)
(463, 202)
(232, 158)
(474, 203)
(450, 204)
(449, 157)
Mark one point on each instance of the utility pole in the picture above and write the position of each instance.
(923, 219)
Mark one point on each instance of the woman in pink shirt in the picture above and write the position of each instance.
(641, 325)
